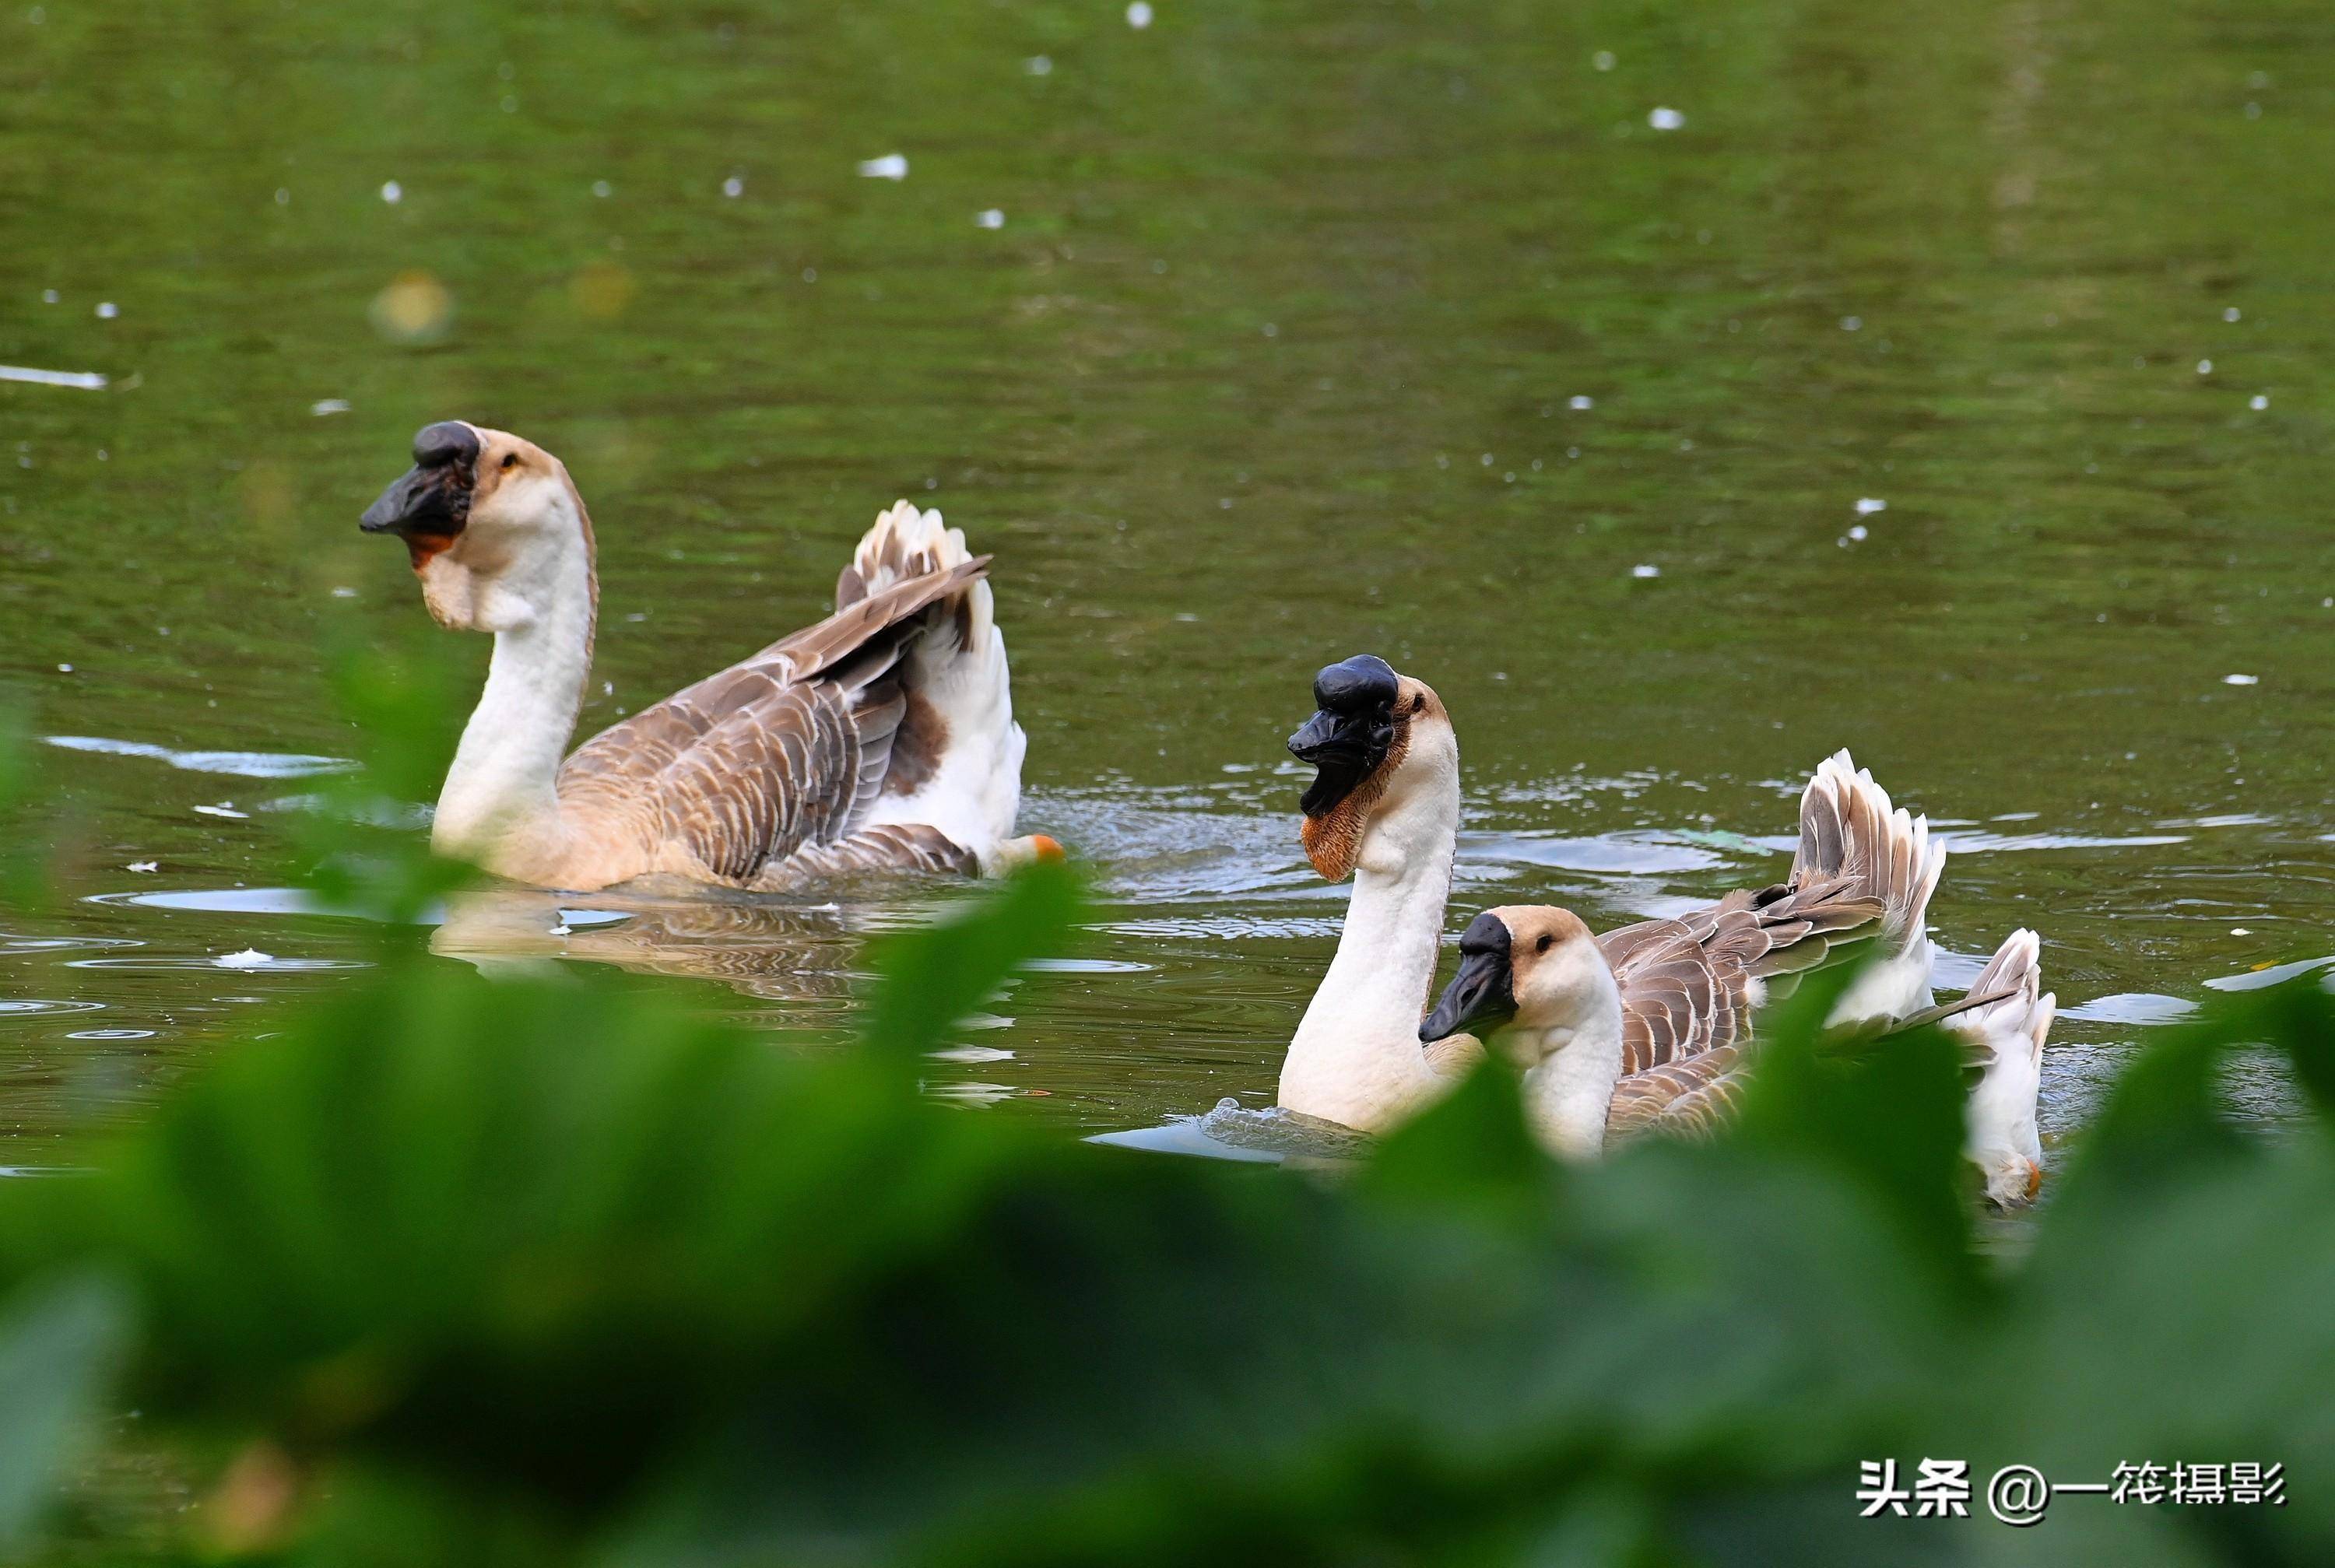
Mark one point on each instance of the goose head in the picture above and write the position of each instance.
(1386, 768)
(1529, 976)
(492, 524)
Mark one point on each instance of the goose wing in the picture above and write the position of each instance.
(782, 752)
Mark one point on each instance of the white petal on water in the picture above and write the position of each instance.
(2230, 314)
(601, 187)
(891, 165)
(249, 958)
(733, 187)
(2259, 401)
(1666, 119)
(2242, 679)
(1580, 403)
(1602, 60)
(2204, 367)
(1868, 505)
(989, 217)
(324, 406)
(1643, 570)
(145, 866)
(1138, 15)
(86, 380)
(1857, 532)
(1038, 66)
(108, 311)
(393, 193)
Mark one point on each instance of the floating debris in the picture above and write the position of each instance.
(86, 380)
(1038, 66)
(393, 193)
(1643, 570)
(249, 958)
(2204, 367)
(223, 809)
(1666, 119)
(989, 217)
(1602, 60)
(324, 406)
(107, 310)
(1858, 533)
(1868, 505)
(1579, 403)
(891, 165)
(145, 866)
(2259, 401)
(603, 189)
(733, 187)
(2242, 679)
(2231, 314)
(65, 669)
(1138, 15)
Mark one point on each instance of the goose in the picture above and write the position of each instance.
(1383, 809)
(1649, 1028)
(878, 740)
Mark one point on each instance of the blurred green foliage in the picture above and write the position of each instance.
(454, 1269)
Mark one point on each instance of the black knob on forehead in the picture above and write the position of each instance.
(1355, 685)
(1488, 933)
(447, 442)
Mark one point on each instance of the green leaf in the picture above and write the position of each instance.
(1887, 1117)
(931, 978)
(59, 1345)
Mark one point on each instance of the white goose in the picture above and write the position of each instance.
(1384, 808)
(1649, 1028)
(881, 739)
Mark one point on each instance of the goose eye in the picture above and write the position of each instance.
(1418, 704)
(510, 460)
(1544, 943)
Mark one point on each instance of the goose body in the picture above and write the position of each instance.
(881, 739)
(1384, 808)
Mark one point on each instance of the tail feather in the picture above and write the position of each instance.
(1850, 831)
(2006, 1037)
(957, 759)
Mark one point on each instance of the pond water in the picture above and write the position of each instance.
(1683, 391)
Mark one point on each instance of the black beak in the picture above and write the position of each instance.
(1351, 731)
(433, 496)
(1482, 996)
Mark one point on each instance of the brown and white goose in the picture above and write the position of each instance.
(879, 739)
(1384, 808)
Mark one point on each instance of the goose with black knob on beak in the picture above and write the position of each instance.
(1384, 808)
(1649, 1028)
(878, 740)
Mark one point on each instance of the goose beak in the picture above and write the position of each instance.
(1350, 731)
(1483, 995)
(432, 498)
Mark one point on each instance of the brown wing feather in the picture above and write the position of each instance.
(779, 755)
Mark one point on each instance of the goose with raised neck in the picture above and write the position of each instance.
(1385, 809)
(881, 739)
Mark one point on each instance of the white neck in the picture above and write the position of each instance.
(1569, 1094)
(1356, 1057)
(501, 805)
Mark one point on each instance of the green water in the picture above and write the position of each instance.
(1273, 359)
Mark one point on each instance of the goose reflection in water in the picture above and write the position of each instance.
(778, 952)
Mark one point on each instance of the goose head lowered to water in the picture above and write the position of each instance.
(1647, 1028)
(881, 739)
